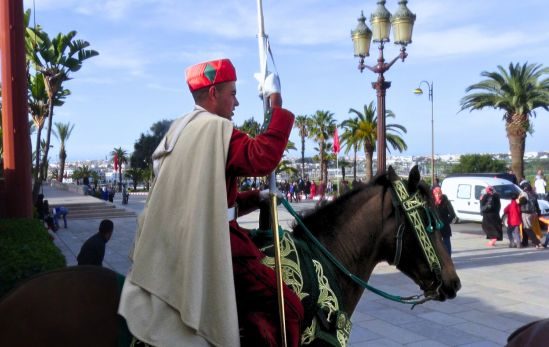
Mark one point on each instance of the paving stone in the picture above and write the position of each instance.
(494, 321)
(481, 344)
(427, 343)
(441, 318)
(360, 334)
(378, 343)
(484, 332)
(360, 317)
(393, 316)
(448, 335)
(392, 332)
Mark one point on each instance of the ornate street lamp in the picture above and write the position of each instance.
(381, 20)
(419, 91)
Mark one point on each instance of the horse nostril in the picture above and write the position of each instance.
(457, 285)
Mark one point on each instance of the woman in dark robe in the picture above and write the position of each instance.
(490, 206)
(446, 214)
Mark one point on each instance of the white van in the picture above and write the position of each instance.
(464, 194)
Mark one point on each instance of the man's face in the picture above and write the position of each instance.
(226, 102)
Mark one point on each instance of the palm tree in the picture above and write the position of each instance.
(285, 167)
(366, 134)
(136, 175)
(55, 59)
(77, 175)
(95, 177)
(250, 127)
(342, 165)
(147, 176)
(62, 134)
(350, 141)
(122, 157)
(46, 162)
(321, 128)
(517, 92)
(302, 123)
(85, 174)
(38, 109)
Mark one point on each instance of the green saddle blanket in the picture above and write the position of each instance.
(304, 270)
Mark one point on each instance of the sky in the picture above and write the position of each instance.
(145, 45)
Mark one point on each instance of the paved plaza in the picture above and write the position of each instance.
(502, 288)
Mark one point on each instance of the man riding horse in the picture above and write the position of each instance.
(182, 289)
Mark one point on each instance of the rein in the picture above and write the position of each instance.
(411, 300)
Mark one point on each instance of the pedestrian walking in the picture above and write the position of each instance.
(490, 206)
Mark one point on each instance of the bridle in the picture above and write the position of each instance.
(410, 206)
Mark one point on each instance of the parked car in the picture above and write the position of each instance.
(464, 193)
(504, 175)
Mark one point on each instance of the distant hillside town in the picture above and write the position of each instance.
(105, 173)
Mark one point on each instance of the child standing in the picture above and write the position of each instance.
(512, 212)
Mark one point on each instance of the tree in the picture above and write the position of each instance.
(350, 141)
(342, 165)
(77, 175)
(147, 177)
(119, 157)
(46, 162)
(94, 175)
(321, 128)
(250, 127)
(147, 143)
(62, 134)
(136, 175)
(517, 92)
(302, 123)
(365, 134)
(38, 109)
(285, 167)
(478, 163)
(55, 59)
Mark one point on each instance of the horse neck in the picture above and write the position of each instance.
(351, 230)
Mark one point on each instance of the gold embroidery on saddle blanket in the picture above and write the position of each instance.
(291, 274)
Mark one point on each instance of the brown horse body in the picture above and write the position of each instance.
(77, 306)
(533, 334)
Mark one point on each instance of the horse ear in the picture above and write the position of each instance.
(413, 179)
(392, 174)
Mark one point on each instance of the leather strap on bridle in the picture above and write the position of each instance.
(411, 206)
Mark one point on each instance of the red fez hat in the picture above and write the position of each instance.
(209, 73)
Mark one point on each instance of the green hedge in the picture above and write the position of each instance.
(25, 250)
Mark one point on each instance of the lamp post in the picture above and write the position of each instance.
(419, 91)
(381, 21)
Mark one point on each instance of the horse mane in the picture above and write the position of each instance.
(322, 220)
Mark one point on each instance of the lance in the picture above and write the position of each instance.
(262, 43)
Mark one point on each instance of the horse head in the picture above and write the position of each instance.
(373, 224)
(411, 232)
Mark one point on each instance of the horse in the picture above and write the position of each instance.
(366, 226)
(533, 334)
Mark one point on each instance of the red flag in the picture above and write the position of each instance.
(336, 142)
(115, 161)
